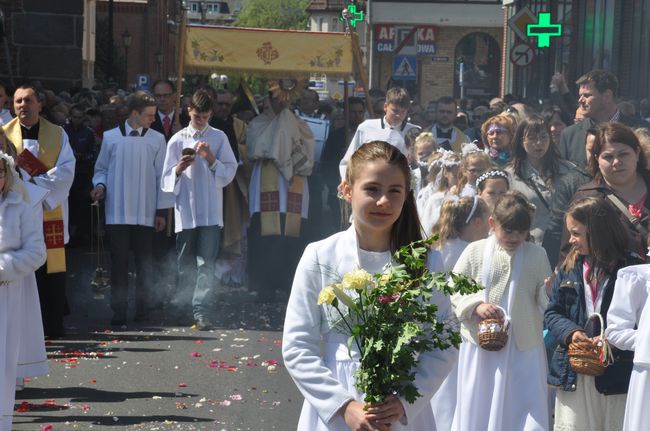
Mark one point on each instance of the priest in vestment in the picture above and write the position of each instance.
(281, 148)
(47, 160)
(127, 173)
(231, 263)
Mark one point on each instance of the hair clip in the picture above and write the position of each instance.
(492, 174)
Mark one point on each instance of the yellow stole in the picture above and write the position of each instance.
(270, 202)
(50, 139)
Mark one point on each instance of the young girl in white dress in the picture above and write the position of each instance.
(315, 350)
(462, 221)
(443, 176)
(474, 163)
(628, 328)
(22, 251)
(505, 389)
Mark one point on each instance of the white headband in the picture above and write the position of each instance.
(474, 206)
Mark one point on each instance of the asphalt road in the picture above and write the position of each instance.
(159, 375)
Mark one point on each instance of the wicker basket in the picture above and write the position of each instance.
(588, 357)
(493, 333)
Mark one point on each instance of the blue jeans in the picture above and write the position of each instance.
(197, 254)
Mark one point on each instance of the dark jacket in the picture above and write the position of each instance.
(572, 140)
(157, 125)
(566, 314)
(598, 188)
(562, 196)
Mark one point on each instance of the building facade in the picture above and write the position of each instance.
(45, 41)
(597, 34)
(437, 48)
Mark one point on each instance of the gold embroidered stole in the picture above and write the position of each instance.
(50, 139)
(270, 202)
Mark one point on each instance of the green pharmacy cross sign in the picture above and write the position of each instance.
(354, 16)
(544, 30)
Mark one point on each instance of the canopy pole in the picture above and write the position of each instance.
(356, 51)
(181, 64)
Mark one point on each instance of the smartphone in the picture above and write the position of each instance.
(188, 152)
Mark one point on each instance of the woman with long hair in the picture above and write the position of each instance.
(536, 168)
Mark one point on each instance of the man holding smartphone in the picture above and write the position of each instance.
(199, 163)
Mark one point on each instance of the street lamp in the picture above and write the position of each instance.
(159, 60)
(126, 42)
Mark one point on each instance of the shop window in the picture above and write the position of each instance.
(481, 57)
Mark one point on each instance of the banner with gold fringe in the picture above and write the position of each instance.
(267, 52)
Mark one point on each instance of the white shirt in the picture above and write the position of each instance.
(130, 168)
(199, 188)
(376, 130)
(57, 180)
(129, 129)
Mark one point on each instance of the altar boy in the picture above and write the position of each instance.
(199, 163)
(127, 173)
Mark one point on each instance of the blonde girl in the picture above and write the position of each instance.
(462, 221)
(429, 200)
(474, 163)
(505, 389)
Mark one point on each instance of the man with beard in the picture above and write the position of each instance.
(448, 136)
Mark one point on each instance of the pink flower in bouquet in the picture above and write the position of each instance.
(388, 298)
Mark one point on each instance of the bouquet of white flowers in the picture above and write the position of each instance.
(392, 320)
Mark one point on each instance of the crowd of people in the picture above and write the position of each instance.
(541, 204)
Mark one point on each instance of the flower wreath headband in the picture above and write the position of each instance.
(494, 173)
(456, 201)
(444, 161)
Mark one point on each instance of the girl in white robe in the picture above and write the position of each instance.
(22, 251)
(461, 221)
(315, 342)
(505, 389)
(628, 328)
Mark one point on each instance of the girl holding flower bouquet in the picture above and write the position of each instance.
(315, 341)
(504, 389)
(584, 286)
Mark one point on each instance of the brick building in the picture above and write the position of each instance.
(46, 41)
(419, 44)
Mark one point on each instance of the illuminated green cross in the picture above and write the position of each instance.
(356, 16)
(544, 30)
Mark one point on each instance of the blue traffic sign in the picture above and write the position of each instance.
(405, 68)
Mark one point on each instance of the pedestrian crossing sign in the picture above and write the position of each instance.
(405, 68)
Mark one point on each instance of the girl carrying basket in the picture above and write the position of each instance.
(504, 389)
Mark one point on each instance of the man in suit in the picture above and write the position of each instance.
(164, 92)
(597, 99)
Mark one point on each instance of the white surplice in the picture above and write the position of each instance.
(325, 376)
(199, 189)
(22, 251)
(376, 129)
(628, 328)
(506, 389)
(130, 167)
(57, 180)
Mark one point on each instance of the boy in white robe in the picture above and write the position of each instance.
(199, 163)
(127, 174)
